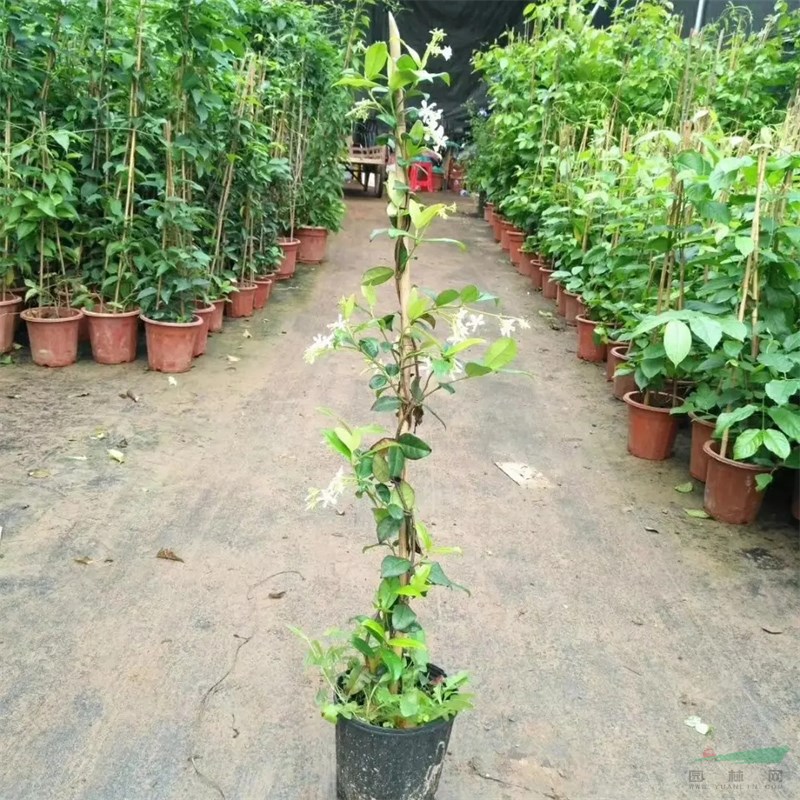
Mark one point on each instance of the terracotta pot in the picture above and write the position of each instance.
(113, 336)
(588, 348)
(505, 227)
(731, 493)
(263, 291)
(624, 384)
(561, 301)
(549, 287)
(9, 319)
(497, 221)
(614, 357)
(702, 431)
(438, 182)
(205, 312)
(536, 274)
(170, 345)
(525, 265)
(313, 242)
(53, 334)
(515, 240)
(487, 211)
(241, 301)
(19, 291)
(289, 260)
(570, 307)
(651, 429)
(583, 309)
(215, 319)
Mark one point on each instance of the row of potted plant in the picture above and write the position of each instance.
(159, 157)
(669, 237)
(171, 345)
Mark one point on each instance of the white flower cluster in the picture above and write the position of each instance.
(464, 324)
(329, 496)
(361, 110)
(509, 324)
(325, 342)
(435, 48)
(431, 117)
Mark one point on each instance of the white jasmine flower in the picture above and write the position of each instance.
(507, 326)
(524, 324)
(474, 321)
(447, 52)
(339, 325)
(459, 328)
(318, 346)
(330, 495)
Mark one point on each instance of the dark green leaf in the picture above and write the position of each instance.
(413, 447)
(403, 617)
(394, 567)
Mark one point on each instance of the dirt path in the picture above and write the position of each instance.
(601, 616)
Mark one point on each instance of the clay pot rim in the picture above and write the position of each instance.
(571, 294)
(194, 323)
(112, 314)
(245, 287)
(205, 309)
(700, 421)
(314, 228)
(624, 356)
(628, 398)
(548, 271)
(285, 241)
(593, 322)
(29, 314)
(264, 278)
(11, 300)
(708, 449)
(514, 233)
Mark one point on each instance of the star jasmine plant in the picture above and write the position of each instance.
(418, 345)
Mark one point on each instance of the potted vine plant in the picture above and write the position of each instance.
(393, 708)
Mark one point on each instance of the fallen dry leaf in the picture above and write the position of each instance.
(168, 555)
(85, 560)
(234, 358)
(276, 595)
(117, 456)
(773, 631)
(172, 381)
(129, 394)
(99, 433)
(39, 473)
(77, 458)
(247, 334)
(651, 529)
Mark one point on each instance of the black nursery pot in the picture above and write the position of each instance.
(374, 763)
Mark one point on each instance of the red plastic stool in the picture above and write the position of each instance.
(420, 176)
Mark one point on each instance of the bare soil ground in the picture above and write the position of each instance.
(601, 616)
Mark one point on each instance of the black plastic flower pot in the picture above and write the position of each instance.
(375, 763)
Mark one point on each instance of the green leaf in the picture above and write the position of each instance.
(393, 663)
(438, 578)
(747, 443)
(685, 488)
(394, 567)
(375, 60)
(363, 647)
(707, 330)
(387, 403)
(62, 137)
(745, 245)
(763, 480)
(777, 443)
(403, 617)
(395, 511)
(413, 447)
(380, 469)
(788, 421)
(728, 418)
(500, 353)
(474, 370)
(781, 391)
(401, 641)
(698, 513)
(733, 327)
(406, 493)
(677, 341)
(369, 347)
(336, 443)
(716, 211)
(376, 276)
(446, 297)
(388, 528)
(397, 461)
